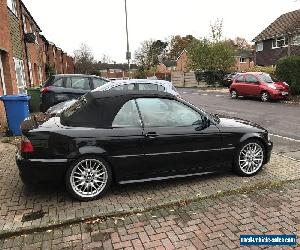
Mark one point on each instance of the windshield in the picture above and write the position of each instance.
(266, 78)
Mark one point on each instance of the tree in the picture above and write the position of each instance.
(206, 55)
(84, 60)
(106, 59)
(150, 54)
(216, 30)
(177, 45)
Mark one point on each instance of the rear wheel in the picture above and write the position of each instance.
(234, 94)
(265, 96)
(249, 158)
(88, 178)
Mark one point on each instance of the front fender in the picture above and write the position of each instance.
(254, 136)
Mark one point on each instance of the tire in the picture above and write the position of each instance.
(81, 178)
(242, 165)
(234, 94)
(265, 96)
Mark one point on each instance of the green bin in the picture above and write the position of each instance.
(34, 103)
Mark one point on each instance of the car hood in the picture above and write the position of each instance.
(281, 86)
(233, 122)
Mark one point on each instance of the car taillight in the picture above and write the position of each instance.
(44, 90)
(26, 145)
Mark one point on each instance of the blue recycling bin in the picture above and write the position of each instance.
(17, 109)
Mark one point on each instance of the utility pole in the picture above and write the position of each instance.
(128, 54)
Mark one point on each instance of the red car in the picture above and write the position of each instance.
(260, 85)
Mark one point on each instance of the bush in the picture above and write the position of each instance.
(269, 70)
(288, 70)
(211, 77)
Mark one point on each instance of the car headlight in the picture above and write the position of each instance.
(286, 84)
(272, 87)
(269, 138)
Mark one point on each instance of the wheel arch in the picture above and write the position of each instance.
(89, 151)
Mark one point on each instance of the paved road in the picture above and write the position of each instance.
(281, 119)
(214, 223)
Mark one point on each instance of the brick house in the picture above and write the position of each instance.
(280, 39)
(23, 51)
(244, 60)
(166, 67)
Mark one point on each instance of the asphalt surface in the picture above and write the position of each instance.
(281, 119)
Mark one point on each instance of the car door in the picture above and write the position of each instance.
(241, 85)
(76, 86)
(252, 85)
(176, 139)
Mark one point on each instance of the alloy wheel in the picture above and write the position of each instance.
(234, 94)
(88, 178)
(265, 97)
(251, 158)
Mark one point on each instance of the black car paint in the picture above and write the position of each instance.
(136, 153)
(55, 95)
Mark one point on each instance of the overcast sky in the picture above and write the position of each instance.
(101, 23)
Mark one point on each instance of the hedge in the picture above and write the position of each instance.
(288, 70)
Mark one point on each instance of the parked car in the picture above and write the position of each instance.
(228, 79)
(133, 84)
(260, 85)
(60, 88)
(135, 136)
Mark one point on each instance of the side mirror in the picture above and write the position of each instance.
(202, 124)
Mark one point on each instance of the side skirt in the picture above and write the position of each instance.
(163, 178)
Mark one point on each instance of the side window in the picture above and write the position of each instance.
(78, 82)
(59, 82)
(158, 112)
(98, 82)
(127, 116)
(124, 87)
(150, 86)
(239, 79)
(250, 79)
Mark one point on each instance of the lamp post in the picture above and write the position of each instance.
(128, 54)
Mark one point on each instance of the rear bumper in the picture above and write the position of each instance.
(41, 170)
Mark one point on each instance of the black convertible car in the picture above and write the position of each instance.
(133, 137)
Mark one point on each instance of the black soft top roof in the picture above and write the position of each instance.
(99, 108)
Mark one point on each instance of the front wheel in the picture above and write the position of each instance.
(88, 178)
(234, 94)
(265, 96)
(249, 158)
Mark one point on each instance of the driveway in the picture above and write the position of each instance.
(26, 209)
(281, 119)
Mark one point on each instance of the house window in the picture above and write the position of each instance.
(20, 76)
(280, 42)
(2, 84)
(12, 4)
(243, 60)
(259, 46)
(296, 40)
(24, 24)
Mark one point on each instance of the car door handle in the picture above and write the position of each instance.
(151, 135)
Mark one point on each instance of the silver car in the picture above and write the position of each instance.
(132, 84)
(139, 84)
